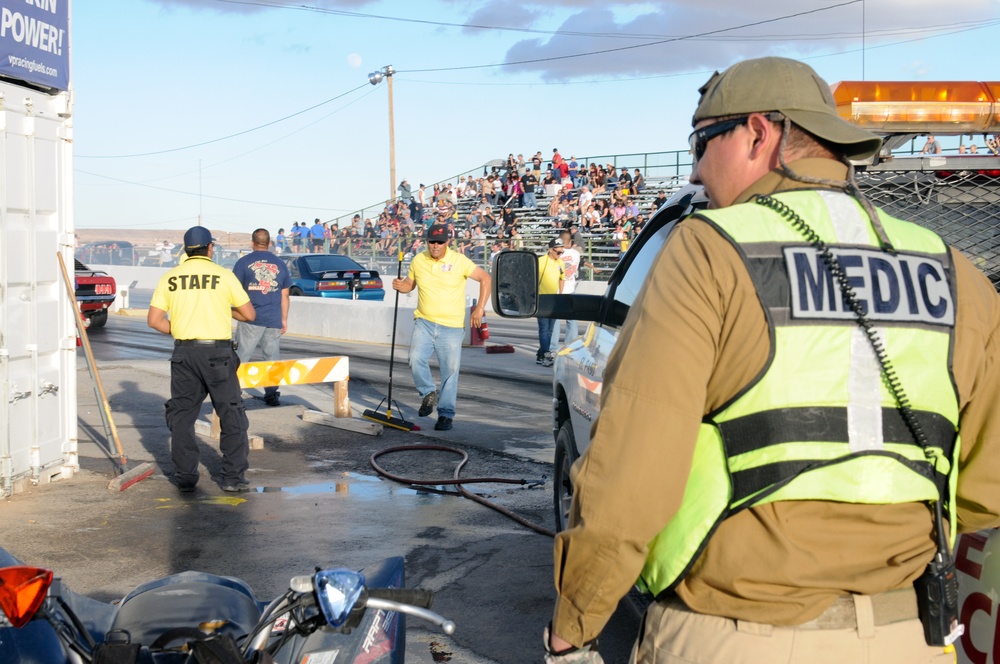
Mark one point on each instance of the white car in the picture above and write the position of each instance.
(580, 364)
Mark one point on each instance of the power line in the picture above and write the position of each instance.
(337, 12)
(224, 138)
(944, 31)
(219, 198)
(634, 46)
(444, 24)
(612, 35)
(261, 147)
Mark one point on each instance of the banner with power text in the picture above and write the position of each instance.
(34, 42)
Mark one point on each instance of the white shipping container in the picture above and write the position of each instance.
(38, 415)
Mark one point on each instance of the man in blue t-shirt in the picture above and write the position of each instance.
(296, 235)
(266, 280)
(318, 235)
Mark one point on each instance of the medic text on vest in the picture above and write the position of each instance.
(904, 288)
(193, 282)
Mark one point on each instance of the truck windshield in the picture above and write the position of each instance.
(640, 264)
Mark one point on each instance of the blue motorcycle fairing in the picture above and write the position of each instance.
(186, 600)
(189, 598)
(37, 642)
(379, 639)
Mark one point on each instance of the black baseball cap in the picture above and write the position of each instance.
(197, 237)
(438, 233)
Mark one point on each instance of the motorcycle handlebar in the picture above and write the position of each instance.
(447, 626)
(412, 596)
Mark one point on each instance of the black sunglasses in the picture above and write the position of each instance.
(436, 242)
(699, 138)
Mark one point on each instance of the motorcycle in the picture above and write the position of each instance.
(334, 616)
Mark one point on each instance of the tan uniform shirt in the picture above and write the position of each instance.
(695, 336)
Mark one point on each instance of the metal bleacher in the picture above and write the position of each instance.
(663, 173)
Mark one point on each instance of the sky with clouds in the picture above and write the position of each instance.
(250, 113)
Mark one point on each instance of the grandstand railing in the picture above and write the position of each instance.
(959, 199)
(653, 165)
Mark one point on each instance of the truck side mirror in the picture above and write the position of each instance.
(515, 284)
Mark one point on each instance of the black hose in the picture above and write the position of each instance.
(458, 481)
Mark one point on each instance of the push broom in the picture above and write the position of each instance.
(124, 475)
(373, 415)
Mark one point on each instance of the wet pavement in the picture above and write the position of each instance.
(316, 501)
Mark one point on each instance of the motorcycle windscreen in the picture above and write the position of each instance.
(149, 614)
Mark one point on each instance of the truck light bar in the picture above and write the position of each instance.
(920, 107)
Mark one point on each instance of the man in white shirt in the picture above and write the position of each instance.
(572, 258)
(586, 196)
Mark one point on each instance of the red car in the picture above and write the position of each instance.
(95, 291)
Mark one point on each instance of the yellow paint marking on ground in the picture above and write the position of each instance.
(210, 500)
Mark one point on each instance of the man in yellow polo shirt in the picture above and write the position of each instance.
(439, 275)
(202, 298)
(550, 282)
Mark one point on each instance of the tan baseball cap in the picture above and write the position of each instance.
(790, 87)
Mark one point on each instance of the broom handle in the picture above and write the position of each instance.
(91, 363)
(392, 346)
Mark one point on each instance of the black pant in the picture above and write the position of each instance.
(197, 371)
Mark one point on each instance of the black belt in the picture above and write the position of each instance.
(217, 343)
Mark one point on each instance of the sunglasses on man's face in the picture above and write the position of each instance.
(435, 242)
(699, 138)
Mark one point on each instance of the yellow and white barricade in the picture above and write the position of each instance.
(276, 373)
(296, 372)
(334, 369)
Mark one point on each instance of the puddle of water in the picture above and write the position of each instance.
(541, 453)
(356, 485)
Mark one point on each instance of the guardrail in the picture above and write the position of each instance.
(653, 165)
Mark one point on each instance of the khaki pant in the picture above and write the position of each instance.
(673, 634)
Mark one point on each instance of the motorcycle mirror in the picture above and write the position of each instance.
(338, 591)
(22, 591)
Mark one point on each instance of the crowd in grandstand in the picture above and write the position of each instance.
(487, 214)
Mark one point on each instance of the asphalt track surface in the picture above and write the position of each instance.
(316, 500)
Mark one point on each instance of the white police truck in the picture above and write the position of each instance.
(955, 193)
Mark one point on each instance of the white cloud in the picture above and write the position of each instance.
(251, 6)
(673, 46)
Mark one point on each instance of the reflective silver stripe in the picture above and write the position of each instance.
(864, 378)
(845, 215)
(864, 404)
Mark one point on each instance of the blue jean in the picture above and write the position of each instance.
(545, 326)
(529, 200)
(445, 342)
(572, 332)
(249, 336)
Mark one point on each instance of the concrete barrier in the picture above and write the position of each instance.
(349, 320)
(144, 277)
(330, 318)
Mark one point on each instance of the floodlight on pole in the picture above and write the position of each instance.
(375, 78)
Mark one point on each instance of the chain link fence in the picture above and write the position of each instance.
(962, 206)
(960, 203)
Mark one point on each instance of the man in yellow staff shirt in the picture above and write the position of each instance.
(439, 275)
(202, 298)
(550, 282)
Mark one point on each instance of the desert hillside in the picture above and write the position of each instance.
(146, 239)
